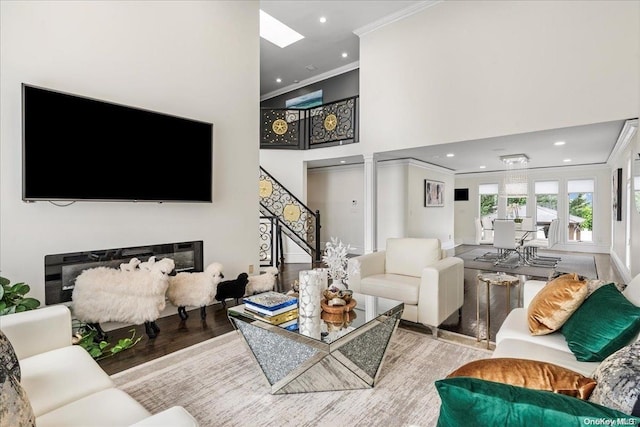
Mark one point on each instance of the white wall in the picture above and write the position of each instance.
(429, 221)
(392, 201)
(179, 58)
(465, 212)
(333, 192)
(400, 213)
(619, 228)
(465, 70)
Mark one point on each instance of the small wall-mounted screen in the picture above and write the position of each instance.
(461, 194)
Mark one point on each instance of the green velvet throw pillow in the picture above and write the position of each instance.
(602, 325)
(474, 402)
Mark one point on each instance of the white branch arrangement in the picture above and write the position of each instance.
(335, 257)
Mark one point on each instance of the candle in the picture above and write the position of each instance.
(310, 294)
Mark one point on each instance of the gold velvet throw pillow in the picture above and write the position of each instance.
(532, 374)
(555, 303)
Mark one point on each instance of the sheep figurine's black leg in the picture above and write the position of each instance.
(150, 330)
(155, 327)
(203, 312)
(182, 312)
(101, 335)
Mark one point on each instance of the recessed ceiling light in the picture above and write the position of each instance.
(450, 154)
(278, 80)
(559, 143)
(323, 19)
(483, 167)
(343, 161)
(566, 160)
(344, 54)
(276, 32)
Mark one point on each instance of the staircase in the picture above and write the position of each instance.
(282, 212)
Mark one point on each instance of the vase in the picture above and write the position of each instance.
(339, 284)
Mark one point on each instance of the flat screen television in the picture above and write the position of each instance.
(77, 148)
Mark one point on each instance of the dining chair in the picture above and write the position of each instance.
(504, 240)
(531, 247)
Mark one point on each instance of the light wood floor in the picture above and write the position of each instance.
(176, 334)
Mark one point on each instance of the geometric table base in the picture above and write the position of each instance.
(294, 363)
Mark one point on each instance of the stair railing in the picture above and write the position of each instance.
(326, 125)
(296, 220)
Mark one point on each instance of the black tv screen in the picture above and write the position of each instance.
(77, 148)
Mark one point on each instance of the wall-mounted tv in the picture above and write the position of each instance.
(77, 148)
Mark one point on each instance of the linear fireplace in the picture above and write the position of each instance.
(61, 270)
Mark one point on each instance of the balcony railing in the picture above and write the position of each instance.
(334, 123)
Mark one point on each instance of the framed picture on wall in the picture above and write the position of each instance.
(617, 194)
(433, 193)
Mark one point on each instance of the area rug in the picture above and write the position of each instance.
(584, 265)
(220, 384)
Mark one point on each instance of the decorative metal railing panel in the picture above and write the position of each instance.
(333, 122)
(299, 222)
(282, 128)
(326, 125)
(268, 241)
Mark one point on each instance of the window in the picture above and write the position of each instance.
(488, 202)
(580, 227)
(546, 206)
(516, 207)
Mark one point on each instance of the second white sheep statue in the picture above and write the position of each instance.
(194, 289)
(262, 282)
(105, 294)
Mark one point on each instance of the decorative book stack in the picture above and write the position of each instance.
(275, 308)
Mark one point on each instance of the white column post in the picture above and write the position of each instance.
(370, 203)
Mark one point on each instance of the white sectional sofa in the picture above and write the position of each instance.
(514, 339)
(64, 385)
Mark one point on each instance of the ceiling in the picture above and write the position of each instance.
(323, 45)
(318, 56)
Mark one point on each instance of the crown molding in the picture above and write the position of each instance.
(319, 77)
(629, 128)
(397, 16)
(409, 161)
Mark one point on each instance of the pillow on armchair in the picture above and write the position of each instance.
(602, 325)
(618, 378)
(15, 409)
(532, 374)
(555, 303)
(475, 402)
(8, 358)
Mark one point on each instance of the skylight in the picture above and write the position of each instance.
(276, 32)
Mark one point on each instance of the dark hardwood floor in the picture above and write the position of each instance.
(176, 334)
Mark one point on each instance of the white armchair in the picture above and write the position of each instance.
(416, 272)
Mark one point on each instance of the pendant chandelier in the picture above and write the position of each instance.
(515, 182)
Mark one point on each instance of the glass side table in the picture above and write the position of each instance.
(499, 279)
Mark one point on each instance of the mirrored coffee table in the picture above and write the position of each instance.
(347, 355)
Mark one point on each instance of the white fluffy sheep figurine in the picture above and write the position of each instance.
(147, 264)
(194, 289)
(262, 282)
(131, 265)
(104, 294)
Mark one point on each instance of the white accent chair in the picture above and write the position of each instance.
(417, 272)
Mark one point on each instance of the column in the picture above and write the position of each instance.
(370, 203)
